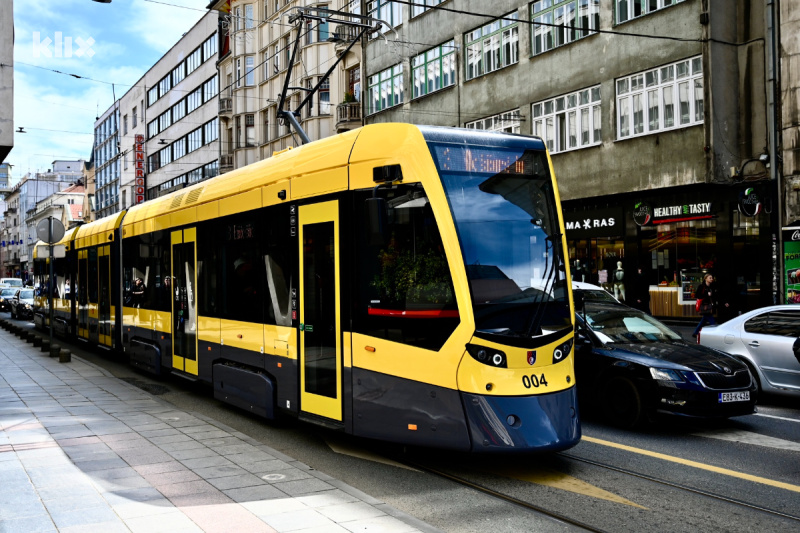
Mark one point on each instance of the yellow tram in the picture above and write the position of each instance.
(397, 282)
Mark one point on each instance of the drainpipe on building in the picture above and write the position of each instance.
(778, 293)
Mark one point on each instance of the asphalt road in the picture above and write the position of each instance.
(668, 476)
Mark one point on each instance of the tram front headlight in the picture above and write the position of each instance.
(562, 352)
(487, 356)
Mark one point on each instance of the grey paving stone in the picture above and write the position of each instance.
(166, 478)
(168, 439)
(190, 444)
(327, 498)
(214, 436)
(348, 512)
(185, 487)
(257, 493)
(67, 503)
(253, 457)
(162, 523)
(159, 468)
(120, 484)
(276, 506)
(202, 462)
(236, 482)
(112, 526)
(265, 467)
(148, 508)
(30, 524)
(282, 476)
(195, 453)
(143, 494)
(146, 458)
(297, 520)
(165, 432)
(105, 464)
(303, 486)
(384, 524)
(210, 472)
(82, 517)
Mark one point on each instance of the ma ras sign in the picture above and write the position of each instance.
(596, 223)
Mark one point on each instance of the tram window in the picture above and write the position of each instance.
(147, 257)
(404, 291)
(243, 272)
(208, 259)
(278, 267)
(92, 280)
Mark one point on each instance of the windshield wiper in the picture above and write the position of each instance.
(539, 308)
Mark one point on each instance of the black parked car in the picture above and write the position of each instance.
(5, 298)
(631, 366)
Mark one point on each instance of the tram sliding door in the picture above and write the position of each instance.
(83, 294)
(104, 303)
(320, 327)
(184, 300)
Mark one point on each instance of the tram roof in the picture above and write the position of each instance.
(100, 231)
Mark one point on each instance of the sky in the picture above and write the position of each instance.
(58, 111)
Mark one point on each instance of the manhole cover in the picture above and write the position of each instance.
(273, 477)
(152, 388)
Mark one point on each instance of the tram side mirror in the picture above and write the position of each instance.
(376, 220)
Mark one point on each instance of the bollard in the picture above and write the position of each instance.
(64, 356)
(37, 341)
(45, 345)
(29, 336)
(54, 350)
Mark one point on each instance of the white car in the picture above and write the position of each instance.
(768, 340)
(593, 293)
(11, 282)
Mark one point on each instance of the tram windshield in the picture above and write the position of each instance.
(501, 196)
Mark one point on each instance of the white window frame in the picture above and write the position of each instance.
(625, 10)
(578, 19)
(384, 86)
(386, 10)
(421, 6)
(508, 122)
(492, 46)
(250, 71)
(652, 92)
(562, 121)
(433, 69)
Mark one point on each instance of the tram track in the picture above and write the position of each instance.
(671, 484)
(503, 497)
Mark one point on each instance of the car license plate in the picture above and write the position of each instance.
(725, 397)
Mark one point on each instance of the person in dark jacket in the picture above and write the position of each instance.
(641, 292)
(708, 294)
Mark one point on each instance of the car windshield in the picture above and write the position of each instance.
(621, 324)
(7, 293)
(502, 198)
(26, 295)
(595, 295)
(13, 282)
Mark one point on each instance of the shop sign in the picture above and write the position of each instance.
(791, 264)
(644, 213)
(595, 223)
(749, 202)
(139, 159)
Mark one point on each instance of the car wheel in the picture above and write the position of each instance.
(622, 403)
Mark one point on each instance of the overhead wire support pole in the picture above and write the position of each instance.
(300, 15)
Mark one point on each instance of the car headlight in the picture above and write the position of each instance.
(665, 374)
(27, 306)
(487, 356)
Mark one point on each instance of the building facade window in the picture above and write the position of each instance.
(210, 47)
(434, 69)
(558, 22)
(568, 122)
(386, 89)
(194, 60)
(250, 130)
(194, 100)
(211, 131)
(625, 10)
(249, 22)
(250, 74)
(195, 139)
(318, 32)
(386, 10)
(421, 6)
(507, 122)
(135, 118)
(210, 89)
(179, 111)
(492, 46)
(152, 96)
(178, 73)
(660, 99)
(325, 97)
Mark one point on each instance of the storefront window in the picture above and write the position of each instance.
(680, 248)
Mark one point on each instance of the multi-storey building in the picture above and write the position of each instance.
(107, 161)
(5, 177)
(257, 45)
(10, 240)
(655, 113)
(34, 189)
(66, 206)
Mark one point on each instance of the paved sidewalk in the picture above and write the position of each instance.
(82, 451)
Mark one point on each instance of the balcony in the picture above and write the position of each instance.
(342, 36)
(348, 116)
(225, 163)
(225, 106)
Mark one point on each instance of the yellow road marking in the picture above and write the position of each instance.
(695, 464)
(562, 481)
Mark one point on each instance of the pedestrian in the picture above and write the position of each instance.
(641, 292)
(708, 298)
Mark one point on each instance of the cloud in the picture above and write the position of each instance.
(161, 26)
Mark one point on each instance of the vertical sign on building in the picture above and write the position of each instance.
(139, 183)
